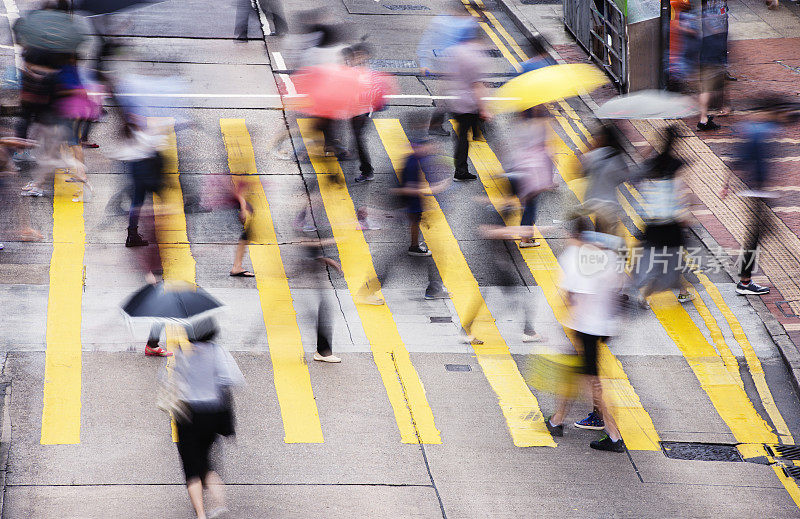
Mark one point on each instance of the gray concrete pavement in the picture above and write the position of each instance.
(125, 464)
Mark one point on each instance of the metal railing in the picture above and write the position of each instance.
(599, 27)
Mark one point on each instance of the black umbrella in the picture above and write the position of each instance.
(49, 30)
(180, 301)
(95, 7)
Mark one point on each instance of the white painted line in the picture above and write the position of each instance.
(287, 81)
(278, 59)
(12, 13)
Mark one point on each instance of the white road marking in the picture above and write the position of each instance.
(12, 13)
(278, 59)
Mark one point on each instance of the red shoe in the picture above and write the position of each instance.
(156, 351)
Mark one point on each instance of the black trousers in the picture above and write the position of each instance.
(358, 124)
(749, 254)
(465, 123)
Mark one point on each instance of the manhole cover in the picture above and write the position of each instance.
(445, 319)
(393, 63)
(788, 452)
(407, 7)
(701, 451)
(457, 367)
(493, 84)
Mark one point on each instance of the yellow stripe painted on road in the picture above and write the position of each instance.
(173, 242)
(177, 261)
(634, 422)
(519, 406)
(728, 397)
(61, 412)
(403, 386)
(753, 362)
(299, 411)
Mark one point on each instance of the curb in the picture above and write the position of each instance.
(788, 351)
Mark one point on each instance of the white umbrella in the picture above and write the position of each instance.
(648, 104)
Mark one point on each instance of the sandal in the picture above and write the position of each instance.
(243, 274)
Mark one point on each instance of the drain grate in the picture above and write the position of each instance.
(701, 451)
(493, 84)
(407, 7)
(457, 367)
(494, 53)
(393, 63)
(788, 452)
(444, 319)
(792, 472)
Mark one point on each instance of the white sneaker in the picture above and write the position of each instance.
(333, 359)
(217, 513)
(471, 339)
(527, 244)
(371, 299)
(531, 337)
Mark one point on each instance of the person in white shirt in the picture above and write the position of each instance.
(592, 283)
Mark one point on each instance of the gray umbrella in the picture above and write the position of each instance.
(49, 30)
(95, 7)
(648, 104)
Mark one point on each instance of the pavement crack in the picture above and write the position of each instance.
(419, 437)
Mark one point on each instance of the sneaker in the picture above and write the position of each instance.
(441, 294)
(526, 244)
(333, 359)
(751, 289)
(370, 299)
(218, 513)
(364, 178)
(419, 250)
(32, 191)
(708, 125)
(594, 422)
(2, 246)
(685, 298)
(156, 351)
(607, 444)
(460, 177)
(531, 337)
(438, 130)
(470, 339)
(23, 156)
(554, 430)
(136, 240)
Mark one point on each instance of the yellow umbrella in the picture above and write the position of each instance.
(546, 85)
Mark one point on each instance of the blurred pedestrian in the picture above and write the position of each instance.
(16, 212)
(531, 165)
(207, 372)
(271, 9)
(592, 285)
(358, 56)
(661, 264)
(712, 59)
(465, 70)
(444, 31)
(315, 271)
(141, 153)
(605, 168)
(759, 130)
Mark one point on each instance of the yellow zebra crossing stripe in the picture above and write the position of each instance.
(177, 261)
(301, 422)
(519, 406)
(406, 394)
(634, 422)
(61, 412)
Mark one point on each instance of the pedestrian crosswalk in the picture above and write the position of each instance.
(711, 361)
